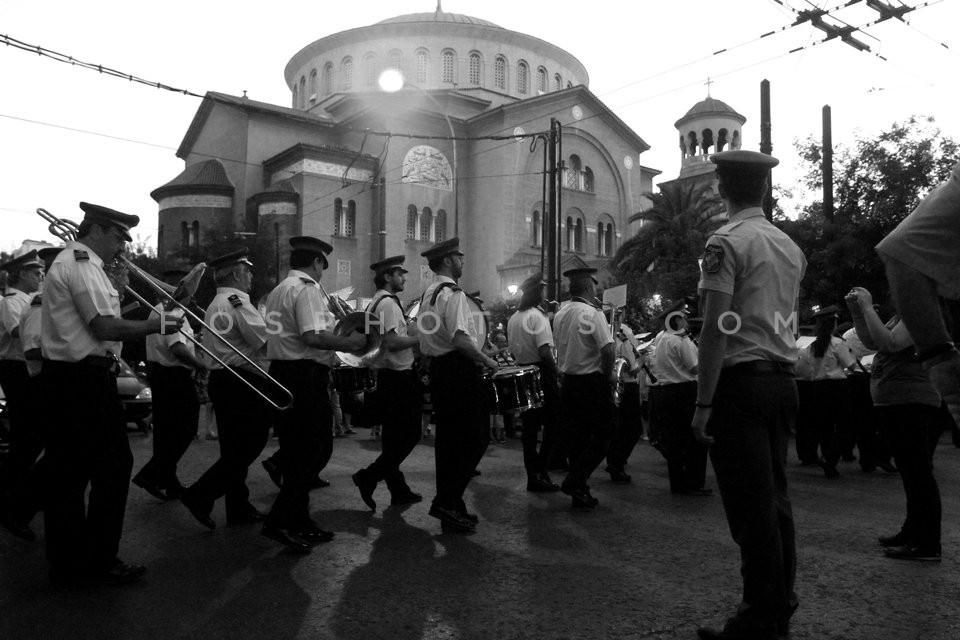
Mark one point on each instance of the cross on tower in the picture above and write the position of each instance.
(708, 83)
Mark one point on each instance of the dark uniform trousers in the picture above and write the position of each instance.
(13, 379)
(28, 475)
(907, 428)
(176, 411)
(306, 438)
(243, 420)
(865, 425)
(463, 425)
(686, 458)
(545, 417)
(87, 446)
(629, 426)
(587, 423)
(752, 417)
(399, 399)
(656, 421)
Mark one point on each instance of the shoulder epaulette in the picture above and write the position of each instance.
(36, 302)
(7, 295)
(235, 300)
(307, 281)
(443, 285)
(80, 255)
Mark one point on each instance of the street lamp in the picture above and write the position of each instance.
(391, 81)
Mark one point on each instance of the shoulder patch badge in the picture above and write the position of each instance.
(80, 256)
(712, 259)
(235, 300)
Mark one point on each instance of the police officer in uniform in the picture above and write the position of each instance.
(172, 363)
(243, 417)
(24, 277)
(81, 334)
(301, 346)
(585, 355)
(397, 393)
(531, 341)
(446, 332)
(746, 394)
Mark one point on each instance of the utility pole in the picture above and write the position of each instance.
(827, 164)
(552, 218)
(766, 145)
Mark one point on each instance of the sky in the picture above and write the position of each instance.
(68, 134)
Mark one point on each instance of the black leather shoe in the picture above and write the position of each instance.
(319, 483)
(250, 517)
(455, 521)
(17, 528)
(315, 536)
(118, 573)
(540, 483)
(618, 475)
(582, 499)
(913, 552)
(151, 487)
(889, 468)
(449, 528)
(896, 540)
(287, 538)
(466, 515)
(366, 485)
(273, 470)
(475, 473)
(174, 491)
(702, 491)
(406, 498)
(736, 632)
(197, 510)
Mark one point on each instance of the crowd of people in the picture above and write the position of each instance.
(582, 387)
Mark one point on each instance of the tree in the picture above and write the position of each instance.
(661, 258)
(877, 183)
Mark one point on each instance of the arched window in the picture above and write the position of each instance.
(411, 222)
(735, 142)
(303, 93)
(312, 96)
(601, 249)
(588, 179)
(500, 73)
(296, 97)
(557, 82)
(440, 226)
(570, 243)
(426, 224)
(195, 234)
(184, 235)
(692, 143)
(572, 177)
(475, 68)
(523, 77)
(707, 141)
(395, 60)
(578, 235)
(536, 229)
(370, 70)
(610, 237)
(447, 59)
(541, 80)
(337, 216)
(349, 225)
(722, 140)
(422, 62)
(327, 79)
(346, 74)
(569, 85)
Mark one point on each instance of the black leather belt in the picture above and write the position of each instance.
(759, 366)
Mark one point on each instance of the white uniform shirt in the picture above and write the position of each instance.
(30, 335)
(581, 331)
(675, 359)
(294, 307)
(761, 268)
(527, 331)
(439, 323)
(232, 316)
(386, 307)
(12, 306)
(159, 347)
(75, 291)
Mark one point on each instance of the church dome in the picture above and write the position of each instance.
(709, 107)
(439, 16)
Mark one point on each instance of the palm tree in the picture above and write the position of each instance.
(662, 256)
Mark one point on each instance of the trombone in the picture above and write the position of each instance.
(66, 230)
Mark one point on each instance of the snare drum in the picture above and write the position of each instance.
(350, 380)
(514, 389)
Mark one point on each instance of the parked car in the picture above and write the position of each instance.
(136, 396)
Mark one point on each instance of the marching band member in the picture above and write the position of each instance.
(243, 417)
(531, 341)
(746, 395)
(459, 399)
(172, 363)
(629, 425)
(585, 356)
(23, 281)
(81, 334)
(397, 390)
(301, 347)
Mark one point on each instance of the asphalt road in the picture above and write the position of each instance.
(644, 564)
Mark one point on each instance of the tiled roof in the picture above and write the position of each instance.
(206, 175)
